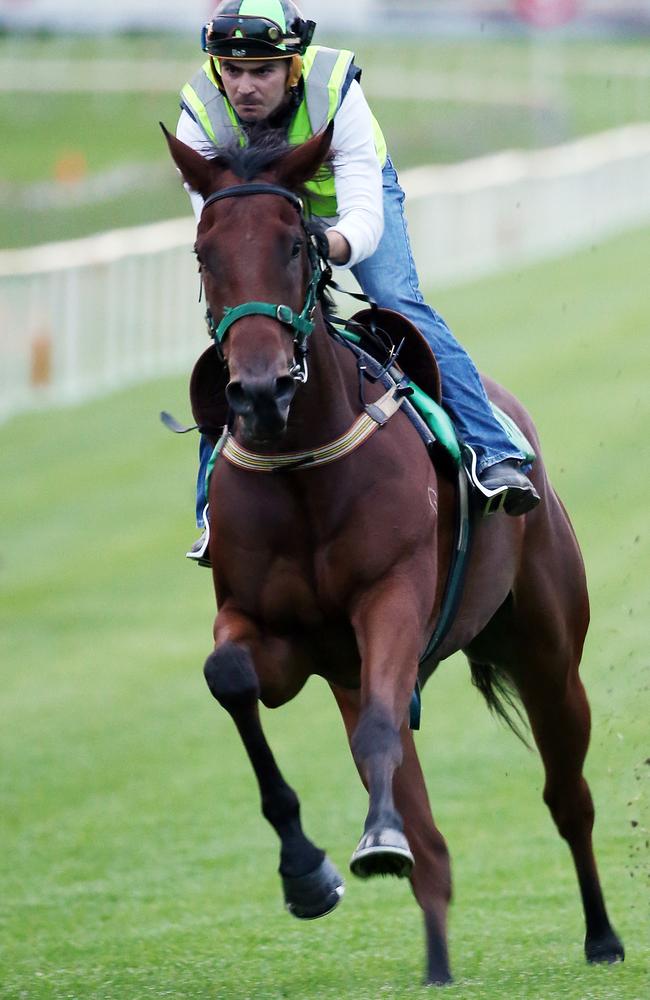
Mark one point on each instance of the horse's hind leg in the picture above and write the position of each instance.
(431, 874)
(559, 715)
(312, 885)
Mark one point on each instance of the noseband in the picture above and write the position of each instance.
(301, 323)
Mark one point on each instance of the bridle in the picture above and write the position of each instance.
(301, 323)
(373, 416)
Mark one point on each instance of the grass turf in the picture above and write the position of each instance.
(135, 862)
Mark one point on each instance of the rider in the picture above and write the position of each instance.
(262, 70)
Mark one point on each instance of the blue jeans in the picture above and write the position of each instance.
(205, 451)
(390, 278)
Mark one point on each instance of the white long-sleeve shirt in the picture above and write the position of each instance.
(357, 173)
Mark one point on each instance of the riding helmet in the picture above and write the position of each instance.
(257, 29)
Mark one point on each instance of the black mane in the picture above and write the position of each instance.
(264, 148)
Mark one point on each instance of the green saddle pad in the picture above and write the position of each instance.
(441, 426)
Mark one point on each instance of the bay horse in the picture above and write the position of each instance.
(338, 569)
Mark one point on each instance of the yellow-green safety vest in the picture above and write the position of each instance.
(327, 75)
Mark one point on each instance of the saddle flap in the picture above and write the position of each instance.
(208, 394)
(415, 359)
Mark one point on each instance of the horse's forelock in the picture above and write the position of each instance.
(264, 150)
(263, 156)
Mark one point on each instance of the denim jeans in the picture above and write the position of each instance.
(205, 451)
(390, 278)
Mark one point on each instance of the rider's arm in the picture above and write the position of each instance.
(357, 175)
(191, 133)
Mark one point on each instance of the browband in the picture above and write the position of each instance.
(246, 189)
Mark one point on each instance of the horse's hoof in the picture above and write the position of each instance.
(311, 896)
(382, 852)
(605, 950)
(439, 979)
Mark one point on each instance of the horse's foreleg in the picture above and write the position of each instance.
(388, 631)
(431, 874)
(560, 722)
(312, 885)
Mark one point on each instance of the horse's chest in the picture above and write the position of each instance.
(289, 593)
(295, 585)
(297, 559)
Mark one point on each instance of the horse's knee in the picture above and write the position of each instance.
(375, 733)
(231, 677)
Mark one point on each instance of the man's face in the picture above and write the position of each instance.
(255, 88)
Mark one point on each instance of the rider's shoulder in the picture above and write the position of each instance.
(313, 51)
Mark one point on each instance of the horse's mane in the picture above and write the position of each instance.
(264, 148)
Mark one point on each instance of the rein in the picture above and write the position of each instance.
(301, 323)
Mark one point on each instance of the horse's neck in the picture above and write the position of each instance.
(329, 402)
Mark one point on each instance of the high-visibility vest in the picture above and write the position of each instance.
(327, 75)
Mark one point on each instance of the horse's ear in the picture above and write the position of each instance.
(202, 175)
(304, 161)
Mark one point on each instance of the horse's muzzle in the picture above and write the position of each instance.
(262, 403)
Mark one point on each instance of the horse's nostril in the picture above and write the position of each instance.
(251, 396)
(238, 398)
(285, 388)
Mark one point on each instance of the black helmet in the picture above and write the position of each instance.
(257, 29)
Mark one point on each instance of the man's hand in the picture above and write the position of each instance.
(339, 248)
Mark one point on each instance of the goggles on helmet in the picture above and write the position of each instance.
(255, 35)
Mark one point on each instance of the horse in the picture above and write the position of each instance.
(338, 568)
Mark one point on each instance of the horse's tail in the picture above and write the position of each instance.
(500, 696)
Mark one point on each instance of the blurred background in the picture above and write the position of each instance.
(544, 102)
(521, 130)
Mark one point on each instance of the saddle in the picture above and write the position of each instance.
(415, 358)
(208, 383)
(417, 362)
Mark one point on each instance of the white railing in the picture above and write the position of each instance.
(514, 207)
(82, 318)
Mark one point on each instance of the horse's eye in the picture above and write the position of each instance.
(295, 250)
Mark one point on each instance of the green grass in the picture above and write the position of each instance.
(135, 862)
(578, 95)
